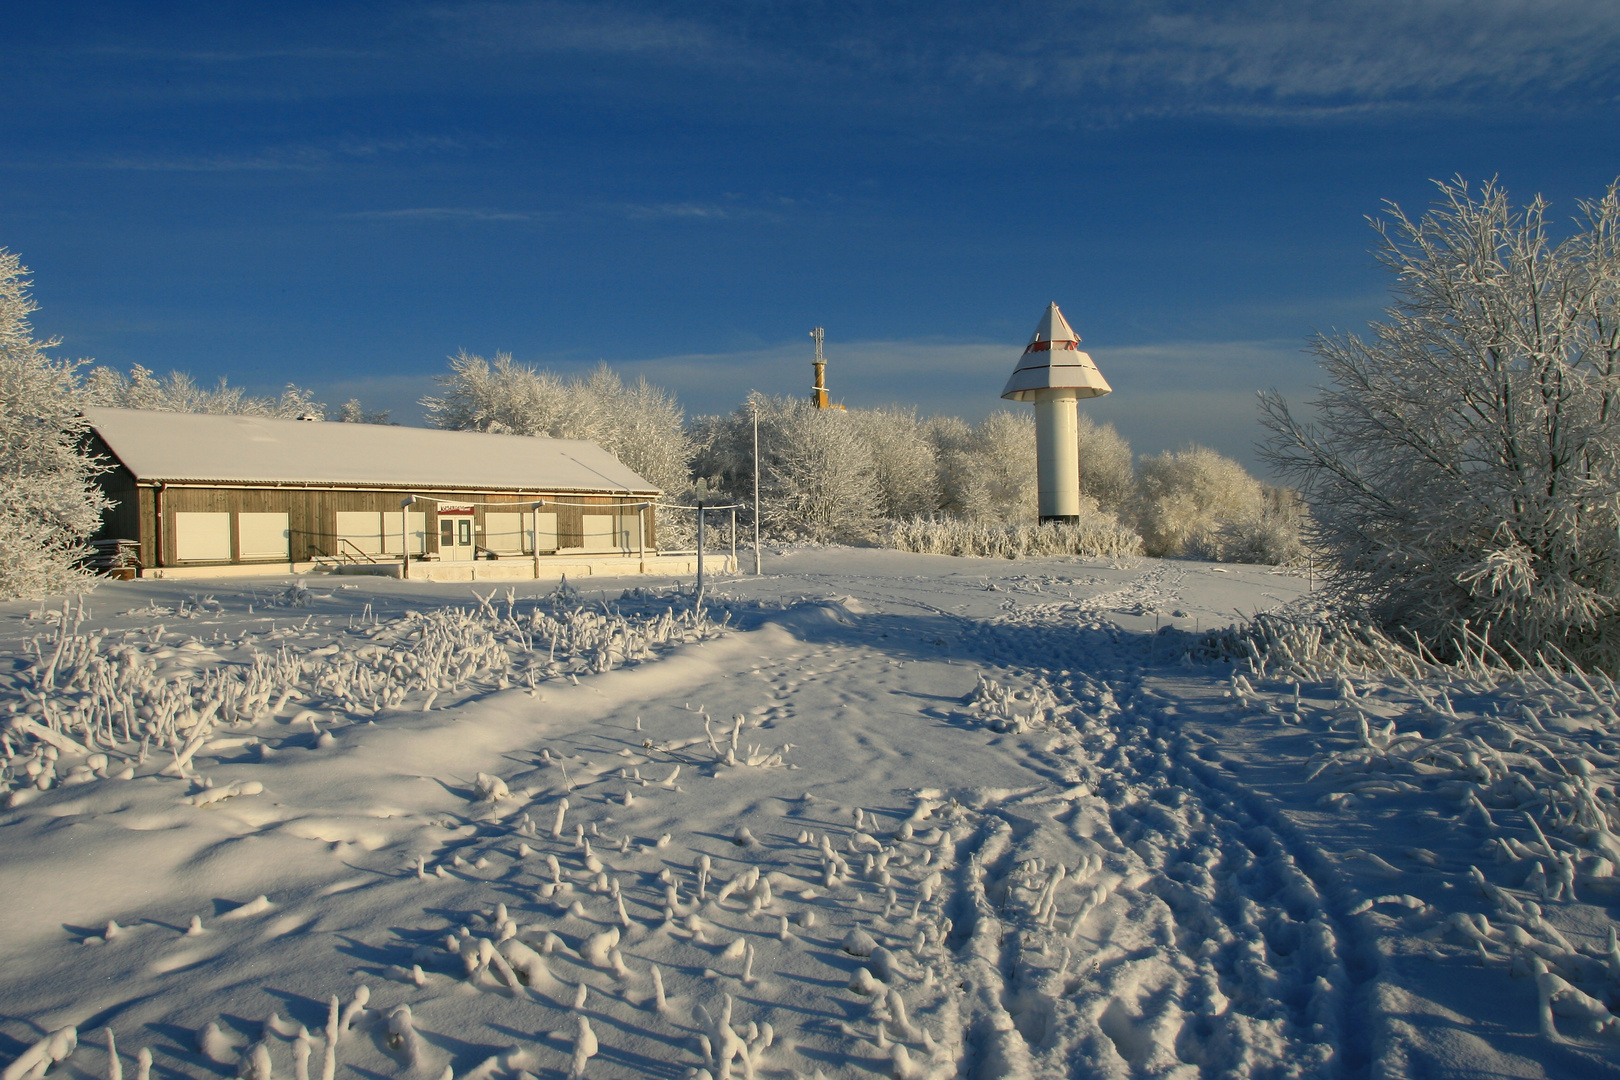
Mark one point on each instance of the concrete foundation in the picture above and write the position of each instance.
(549, 569)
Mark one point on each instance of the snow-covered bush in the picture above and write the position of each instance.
(817, 476)
(640, 424)
(1275, 537)
(1097, 533)
(49, 504)
(179, 392)
(353, 412)
(818, 479)
(902, 461)
(1189, 502)
(1106, 472)
(987, 471)
(1464, 469)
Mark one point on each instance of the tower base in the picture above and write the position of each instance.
(1060, 519)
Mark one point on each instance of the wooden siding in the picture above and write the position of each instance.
(312, 513)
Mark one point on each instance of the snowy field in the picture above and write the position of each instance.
(870, 814)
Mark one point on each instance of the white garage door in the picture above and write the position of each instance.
(264, 536)
(202, 537)
(605, 532)
(362, 528)
(418, 532)
(511, 534)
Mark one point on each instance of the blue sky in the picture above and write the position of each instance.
(340, 195)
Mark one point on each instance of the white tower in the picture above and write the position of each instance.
(1054, 374)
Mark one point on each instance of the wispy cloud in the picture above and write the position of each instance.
(686, 211)
(1308, 59)
(178, 55)
(453, 213)
(295, 158)
(1302, 60)
(557, 26)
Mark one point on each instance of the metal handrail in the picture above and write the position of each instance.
(346, 557)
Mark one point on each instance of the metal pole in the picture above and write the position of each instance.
(756, 489)
(534, 537)
(405, 538)
(641, 537)
(700, 552)
(733, 540)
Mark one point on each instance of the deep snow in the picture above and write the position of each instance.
(978, 818)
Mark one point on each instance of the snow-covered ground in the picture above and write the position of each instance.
(871, 813)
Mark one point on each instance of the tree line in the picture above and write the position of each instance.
(1458, 479)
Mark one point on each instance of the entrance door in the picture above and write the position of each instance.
(456, 533)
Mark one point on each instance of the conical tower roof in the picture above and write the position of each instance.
(1053, 360)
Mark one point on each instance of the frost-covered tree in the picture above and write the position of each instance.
(818, 480)
(179, 392)
(987, 472)
(1463, 470)
(902, 461)
(353, 412)
(49, 504)
(640, 424)
(1106, 473)
(1187, 499)
(501, 397)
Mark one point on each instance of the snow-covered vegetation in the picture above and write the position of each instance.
(1096, 533)
(1196, 502)
(638, 423)
(179, 392)
(49, 506)
(120, 698)
(1464, 468)
(944, 486)
(876, 813)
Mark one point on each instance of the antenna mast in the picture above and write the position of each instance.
(819, 395)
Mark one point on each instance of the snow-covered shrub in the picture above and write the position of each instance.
(902, 460)
(1106, 473)
(1194, 502)
(178, 392)
(1275, 537)
(1464, 469)
(353, 412)
(987, 471)
(818, 479)
(49, 505)
(1097, 533)
(640, 424)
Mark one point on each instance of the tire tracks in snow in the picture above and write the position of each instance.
(1151, 921)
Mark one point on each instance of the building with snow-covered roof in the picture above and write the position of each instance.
(208, 494)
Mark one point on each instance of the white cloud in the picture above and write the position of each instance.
(553, 26)
(1265, 59)
(453, 213)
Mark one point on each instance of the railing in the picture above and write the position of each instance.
(348, 550)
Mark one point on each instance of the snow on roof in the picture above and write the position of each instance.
(1053, 360)
(198, 447)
